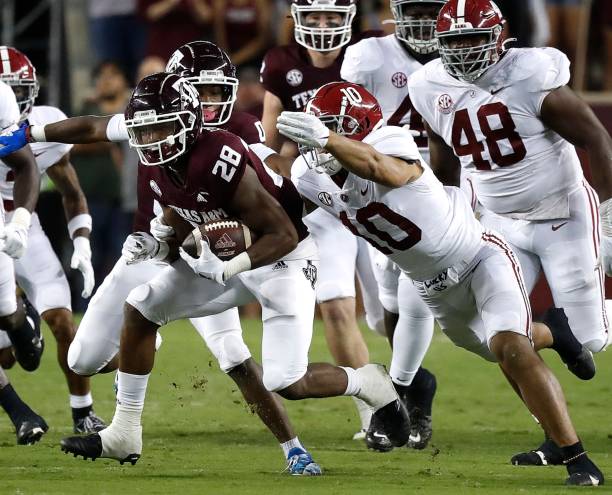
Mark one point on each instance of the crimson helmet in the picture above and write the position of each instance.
(203, 62)
(415, 30)
(309, 34)
(346, 109)
(163, 118)
(19, 73)
(470, 17)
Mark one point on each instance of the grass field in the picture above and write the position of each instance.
(200, 438)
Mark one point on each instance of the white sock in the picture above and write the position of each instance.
(294, 443)
(80, 401)
(365, 412)
(354, 381)
(130, 399)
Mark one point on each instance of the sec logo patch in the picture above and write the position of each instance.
(399, 79)
(445, 103)
(294, 77)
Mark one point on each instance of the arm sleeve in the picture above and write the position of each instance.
(116, 129)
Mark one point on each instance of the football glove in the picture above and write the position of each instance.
(207, 265)
(303, 128)
(160, 230)
(141, 246)
(15, 140)
(81, 261)
(14, 235)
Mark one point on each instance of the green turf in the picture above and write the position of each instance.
(200, 438)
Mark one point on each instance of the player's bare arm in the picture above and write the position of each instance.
(75, 130)
(259, 211)
(66, 181)
(27, 178)
(569, 116)
(442, 159)
(364, 161)
(272, 108)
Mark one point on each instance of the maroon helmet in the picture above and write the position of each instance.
(459, 18)
(203, 62)
(346, 109)
(308, 31)
(163, 118)
(19, 73)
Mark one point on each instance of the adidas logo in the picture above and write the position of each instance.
(281, 265)
(201, 197)
(225, 242)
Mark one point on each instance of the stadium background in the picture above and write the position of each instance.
(89, 53)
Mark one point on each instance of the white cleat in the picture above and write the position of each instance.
(377, 389)
(120, 444)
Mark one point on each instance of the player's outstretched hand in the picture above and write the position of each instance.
(606, 254)
(14, 141)
(81, 261)
(208, 265)
(303, 128)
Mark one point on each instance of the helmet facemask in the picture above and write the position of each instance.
(310, 34)
(159, 139)
(26, 91)
(469, 63)
(216, 113)
(412, 27)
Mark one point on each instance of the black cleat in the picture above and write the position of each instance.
(91, 423)
(375, 437)
(30, 429)
(585, 473)
(90, 447)
(28, 343)
(578, 359)
(420, 429)
(546, 454)
(394, 422)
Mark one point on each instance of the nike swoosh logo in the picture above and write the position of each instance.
(557, 227)
(415, 438)
(379, 435)
(364, 191)
(495, 91)
(38, 154)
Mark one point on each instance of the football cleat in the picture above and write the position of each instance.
(546, 454)
(28, 343)
(376, 438)
(89, 424)
(420, 429)
(577, 358)
(30, 429)
(122, 446)
(586, 473)
(378, 392)
(300, 463)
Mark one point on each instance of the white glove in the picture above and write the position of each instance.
(208, 265)
(606, 254)
(303, 128)
(81, 261)
(14, 236)
(141, 246)
(160, 230)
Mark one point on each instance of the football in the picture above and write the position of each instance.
(226, 238)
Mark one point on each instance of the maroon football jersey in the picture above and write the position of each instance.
(215, 165)
(242, 124)
(287, 73)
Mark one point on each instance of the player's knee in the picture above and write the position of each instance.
(277, 379)
(83, 362)
(512, 350)
(61, 324)
(230, 351)
(338, 312)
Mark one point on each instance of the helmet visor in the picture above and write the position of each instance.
(415, 24)
(218, 94)
(323, 29)
(467, 56)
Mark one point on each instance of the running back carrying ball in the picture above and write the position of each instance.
(226, 239)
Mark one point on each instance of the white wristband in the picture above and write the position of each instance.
(37, 133)
(237, 264)
(81, 221)
(605, 214)
(22, 216)
(162, 251)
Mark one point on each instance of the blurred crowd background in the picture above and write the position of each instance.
(90, 53)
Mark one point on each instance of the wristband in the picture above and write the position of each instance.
(605, 214)
(22, 217)
(81, 221)
(37, 134)
(237, 264)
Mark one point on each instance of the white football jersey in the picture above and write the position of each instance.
(383, 67)
(46, 154)
(519, 167)
(9, 110)
(422, 226)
